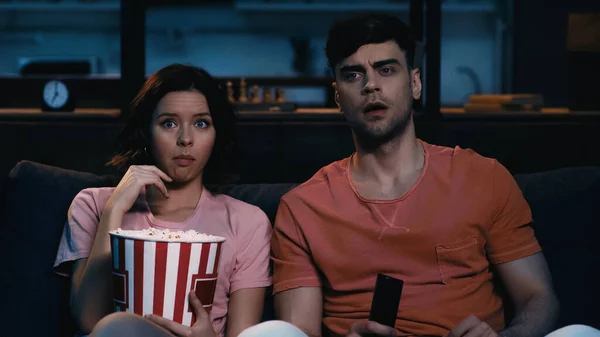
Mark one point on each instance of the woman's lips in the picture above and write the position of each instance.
(184, 160)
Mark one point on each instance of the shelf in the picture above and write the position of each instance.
(256, 6)
(28, 114)
(60, 7)
(80, 111)
(550, 115)
(321, 115)
(543, 111)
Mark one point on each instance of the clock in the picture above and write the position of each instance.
(57, 96)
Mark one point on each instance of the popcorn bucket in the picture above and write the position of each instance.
(154, 271)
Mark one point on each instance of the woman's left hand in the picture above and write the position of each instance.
(201, 328)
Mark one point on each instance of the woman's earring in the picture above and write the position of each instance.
(146, 151)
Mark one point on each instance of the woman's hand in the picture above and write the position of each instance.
(370, 328)
(201, 328)
(130, 186)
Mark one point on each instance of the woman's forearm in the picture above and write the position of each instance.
(91, 292)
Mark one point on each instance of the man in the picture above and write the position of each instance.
(444, 220)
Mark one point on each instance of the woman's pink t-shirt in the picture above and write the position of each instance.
(244, 256)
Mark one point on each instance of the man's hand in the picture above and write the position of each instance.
(201, 328)
(370, 328)
(472, 327)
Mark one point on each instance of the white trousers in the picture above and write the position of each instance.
(281, 328)
(576, 330)
(273, 329)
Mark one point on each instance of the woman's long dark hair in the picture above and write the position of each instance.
(134, 143)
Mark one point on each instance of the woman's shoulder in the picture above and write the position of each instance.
(234, 205)
(94, 193)
(238, 209)
(95, 197)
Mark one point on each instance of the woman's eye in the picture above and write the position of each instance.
(201, 124)
(169, 124)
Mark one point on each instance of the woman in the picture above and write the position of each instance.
(181, 132)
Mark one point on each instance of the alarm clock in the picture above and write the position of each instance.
(57, 96)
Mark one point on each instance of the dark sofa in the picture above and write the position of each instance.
(34, 199)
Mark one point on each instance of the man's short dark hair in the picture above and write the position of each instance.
(134, 143)
(346, 36)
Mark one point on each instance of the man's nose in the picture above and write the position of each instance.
(371, 84)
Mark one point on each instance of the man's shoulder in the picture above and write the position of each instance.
(320, 183)
(463, 159)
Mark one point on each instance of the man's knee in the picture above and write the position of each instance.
(575, 330)
(273, 328)
(116, 324)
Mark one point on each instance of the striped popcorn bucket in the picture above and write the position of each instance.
(155, 277)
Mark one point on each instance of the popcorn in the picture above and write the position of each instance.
(156, 234)
(155, 269)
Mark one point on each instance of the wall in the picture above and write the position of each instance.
(542, 63)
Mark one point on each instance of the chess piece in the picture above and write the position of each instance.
(280, 95)
(254, 97)
(243, 92)
(230, 92)
(267, 95)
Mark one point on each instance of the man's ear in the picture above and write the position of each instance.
(416, 84)
(336, 95)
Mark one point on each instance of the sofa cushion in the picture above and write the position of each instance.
(566, 219)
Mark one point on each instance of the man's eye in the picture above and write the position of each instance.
(351, 76)
(387, 71)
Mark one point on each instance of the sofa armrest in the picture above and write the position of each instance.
(33, 203)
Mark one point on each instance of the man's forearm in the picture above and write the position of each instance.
(536, 318)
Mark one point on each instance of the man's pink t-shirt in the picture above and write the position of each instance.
(244, 256)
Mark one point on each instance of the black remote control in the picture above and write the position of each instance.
(386, 300)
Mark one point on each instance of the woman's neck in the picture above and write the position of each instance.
(181, 196)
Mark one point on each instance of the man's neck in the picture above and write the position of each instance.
(392, 162)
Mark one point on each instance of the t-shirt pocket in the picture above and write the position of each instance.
(461, 259)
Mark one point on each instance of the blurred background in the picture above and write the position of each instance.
(512, 79)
